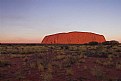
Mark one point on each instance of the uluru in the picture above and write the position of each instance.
(73, 38)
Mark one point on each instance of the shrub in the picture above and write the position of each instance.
(118, 66)
(69, 72)
(4, 63)
(46, 76)
(93, 43)
(40, 67)
(98, 73)
(112, 42)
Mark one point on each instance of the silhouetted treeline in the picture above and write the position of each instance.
(112, 42)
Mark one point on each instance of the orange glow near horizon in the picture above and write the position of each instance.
(21, 41)
(16, 39)
(29, 40)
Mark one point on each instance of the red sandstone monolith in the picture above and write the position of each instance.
(73, 38)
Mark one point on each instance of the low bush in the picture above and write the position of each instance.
(113, 42)
(93, 43)
(4, 63)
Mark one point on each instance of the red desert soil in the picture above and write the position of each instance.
(13, 72)
(73, 38)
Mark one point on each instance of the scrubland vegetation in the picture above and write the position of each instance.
(89, 62)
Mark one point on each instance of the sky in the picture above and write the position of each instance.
(28, 21)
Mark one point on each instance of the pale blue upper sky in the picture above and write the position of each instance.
(31, 20)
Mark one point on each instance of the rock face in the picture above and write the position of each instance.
(73, 38)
